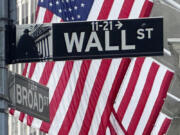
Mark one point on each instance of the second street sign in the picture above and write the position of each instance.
(89, 40)
(29, 96)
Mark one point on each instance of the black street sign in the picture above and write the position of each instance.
(29, 96)
(88, 40)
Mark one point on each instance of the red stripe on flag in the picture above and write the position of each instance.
(164, 126)
(72, 109)
(48, 16)
(31, 71)
(130, 88)
(46, 73)
(25, 69)
(114, 90)
(43, 80)
(56, 99)
(149, 8)
(126, 9)
(159, 102)
(95, 92)
(11, 111)
(143, 99)
(146, 10)
(21, 117)
(105, 10)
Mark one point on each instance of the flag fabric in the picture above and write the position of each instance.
(162, 124)
(82, 93)
(114, 127)
(142, 95)
(160, 127)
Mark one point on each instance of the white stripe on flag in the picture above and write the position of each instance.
(64, 104)
(75, 129)
(25, 119)
(41, 14)
(108, 131)
(137, 93)
(116, 9)
(158, 125)
(136, 9)
(17, 113)
(124, 85)
(54, 78)
(115, 125)
(28, 68)
(159, 122)
(95, 10)
(151, 100)
(104, 96)
(55, 19)
(38, 71)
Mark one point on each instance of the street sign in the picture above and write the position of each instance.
(29, 96)
(88, 40)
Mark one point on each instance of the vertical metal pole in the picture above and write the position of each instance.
(3, 69)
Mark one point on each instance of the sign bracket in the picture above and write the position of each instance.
(3, 97)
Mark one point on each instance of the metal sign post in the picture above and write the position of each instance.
(3, 69)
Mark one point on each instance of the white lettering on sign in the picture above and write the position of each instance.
(30, 98)
(94, 42)
(107, 43)
(74, 40)
(124, 45)
(143, 33)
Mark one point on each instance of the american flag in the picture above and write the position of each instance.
(162, 124)
(82, 93)
(160, 127)
(142, 95)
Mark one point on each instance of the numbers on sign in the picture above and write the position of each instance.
(111, 27)
(106, 26)
(95, 26)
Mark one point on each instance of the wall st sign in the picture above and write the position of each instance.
(88, 40)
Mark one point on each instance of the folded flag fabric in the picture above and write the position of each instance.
(162, 124)
(141, 95)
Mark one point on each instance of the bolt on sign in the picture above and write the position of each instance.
(29, 96)
(88, 40)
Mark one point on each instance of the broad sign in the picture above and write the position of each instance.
(29, 96)
(89, 40)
